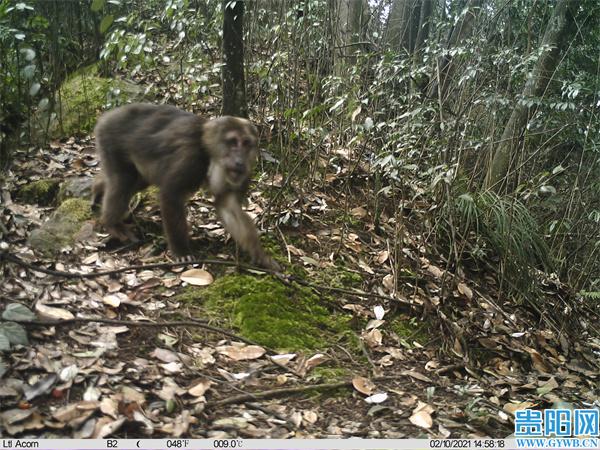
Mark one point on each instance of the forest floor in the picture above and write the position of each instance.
(406, 348)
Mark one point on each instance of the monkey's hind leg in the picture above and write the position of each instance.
(118, 190)
(98, 192)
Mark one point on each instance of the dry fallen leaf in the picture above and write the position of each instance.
(417, 376)
(165, 355)
(388, 282)
(373, 338)
(435, 271)
(242, 353)
(512, 407)
(374, 323)
(379, 312)
(197, 277)
(200, 387)
(538, 361)
(359, 212)
(51, 313)
(310, 416)
(547, 387)
(421, 419)
(363, 385)
(283, 359)
(172, 367)
(465, 290)
(377, 398)
(315, 360)
(114, 300)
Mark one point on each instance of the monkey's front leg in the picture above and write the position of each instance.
(242, 229)
(173, 212)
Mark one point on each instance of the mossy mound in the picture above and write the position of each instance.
(270, 313)
(75, 209)
(62, 228)
(41, 192)
(80, 99)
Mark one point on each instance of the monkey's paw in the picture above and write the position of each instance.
(122, 232)
(266, 262)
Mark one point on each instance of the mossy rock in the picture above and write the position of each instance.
(41, 192)
(266, 311)
(75, 187)
(62, 228)
(81, 98)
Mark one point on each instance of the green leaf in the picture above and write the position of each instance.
(4, 343)
(18, 312)
(28, 54)
(34, 89)
(14, 332)
(3, 368)
(97, 5)
(28, 71)
(106, 23)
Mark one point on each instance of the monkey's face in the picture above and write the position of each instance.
(240, 153)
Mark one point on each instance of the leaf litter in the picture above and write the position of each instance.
(413, 367)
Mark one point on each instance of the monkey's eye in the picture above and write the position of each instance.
(231, 141)
(247, 142)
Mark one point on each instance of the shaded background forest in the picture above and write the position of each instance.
(482, 112)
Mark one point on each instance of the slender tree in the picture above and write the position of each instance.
(553, 45)
(461, 31)
(403, 25)
(234, 85)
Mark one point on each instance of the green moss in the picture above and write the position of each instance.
(338, 277)
(328, 374)
(42, 192)
(270, 313)
(409, 330)
(62, 228)
(84, 94)
(148, 197)
(76, 209)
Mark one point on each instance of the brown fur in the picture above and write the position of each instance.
(142, 144)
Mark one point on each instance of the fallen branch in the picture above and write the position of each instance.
(130, 323)
(272, 393)
(221, 262)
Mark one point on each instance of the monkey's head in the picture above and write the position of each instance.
(233, 144)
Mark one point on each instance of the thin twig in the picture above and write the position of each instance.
(71, 275)
(165, 265)
(272, 393)
(130, 323)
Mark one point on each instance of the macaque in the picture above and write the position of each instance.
(143, 144)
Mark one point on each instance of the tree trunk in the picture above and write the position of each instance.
(352, 17)
(553, 42)
(424, 22)
(234, 86)
(403, 24)
(461, 31)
